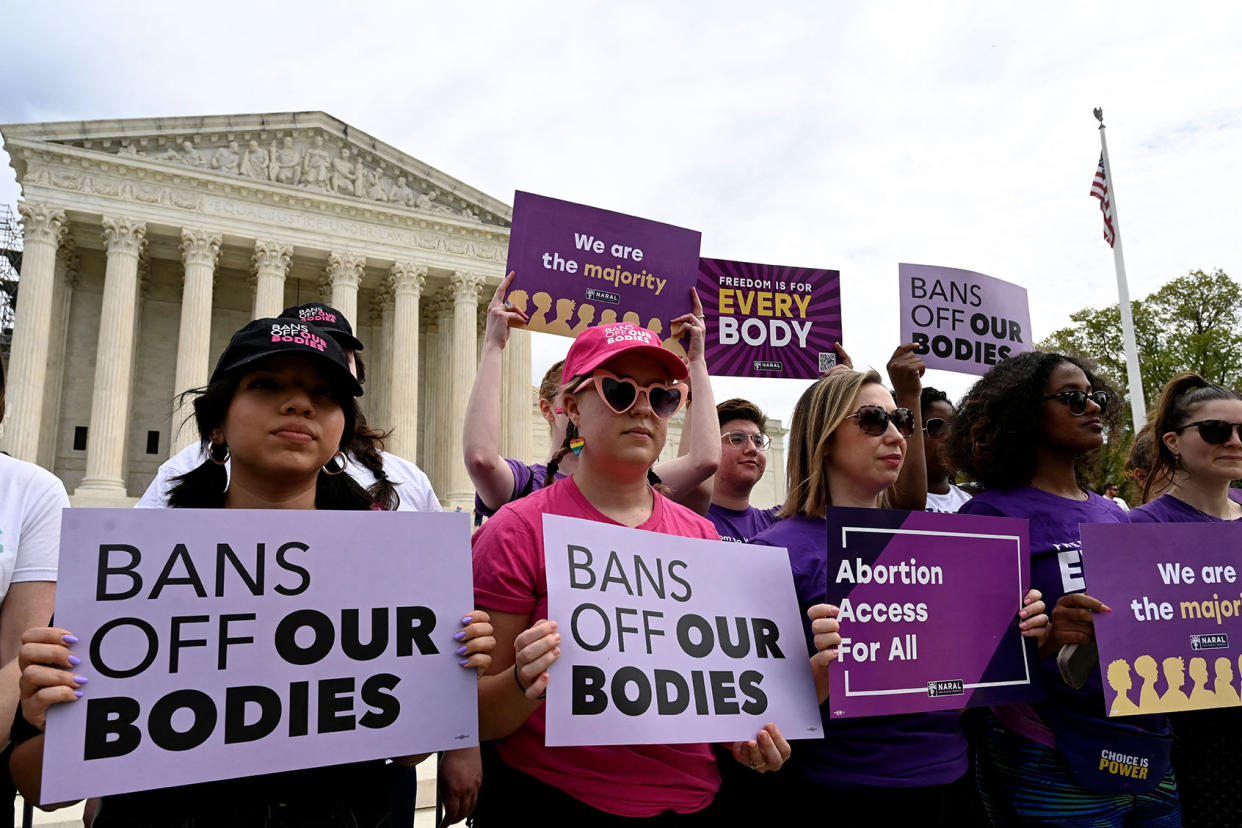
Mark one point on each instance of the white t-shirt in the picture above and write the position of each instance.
(31, 500)
(1121, 501)
(413, 486)
(950, 501)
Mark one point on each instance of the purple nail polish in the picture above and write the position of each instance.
(464, 662)
(461, 650)
(467, 620)
(74, 661)
(460, 636)
(77, 694)
(68, 638)
(80, 679)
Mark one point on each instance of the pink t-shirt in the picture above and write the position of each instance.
(509, 576)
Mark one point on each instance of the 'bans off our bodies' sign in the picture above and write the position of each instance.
(963, 321)
(670, 640)
(1173, 640)
(768, 320)
(578, 266)
(929, 611)
(223, 643)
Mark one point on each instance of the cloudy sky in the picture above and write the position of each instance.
(850, 136)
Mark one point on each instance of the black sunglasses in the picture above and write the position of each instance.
(1077, 400)
(936, 426)
(1214, 431)
(874, 420)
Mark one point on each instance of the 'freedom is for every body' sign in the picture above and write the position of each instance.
(671, 640)
(1173, 640)
(224, 643)
(929, 605)
(578, 266)
(768, 320)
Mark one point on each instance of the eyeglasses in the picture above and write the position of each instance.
(620, 394)
(739, 438)
(1214, 431)
(1077, 400)
(936, 426)
(874, 420)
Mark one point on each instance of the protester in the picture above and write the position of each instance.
(31, 500)
(847, 442)
(938, 413)
(743, 461)
(366, 462)
(1142, 451)
(282, 410)
(1022, 431)
(1113, 492)
(498, 480)
(1199, 452)
(621, 388)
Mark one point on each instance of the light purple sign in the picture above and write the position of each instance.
(224, 643)
(963, 321)
(929, 611)
(669, 640)
(1173, 640)
(578, 266)
(768, 320)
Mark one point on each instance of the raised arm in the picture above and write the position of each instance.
(905, 371)
(491, 475)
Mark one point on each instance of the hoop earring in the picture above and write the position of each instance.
(212, 453)
(340, 464)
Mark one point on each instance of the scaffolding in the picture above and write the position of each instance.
(10, 267)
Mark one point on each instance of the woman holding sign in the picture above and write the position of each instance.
(622, 387)
(1022, 431)
(846, 447)
(282, 405)
(1198, 453)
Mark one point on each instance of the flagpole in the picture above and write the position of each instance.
(1138, 404)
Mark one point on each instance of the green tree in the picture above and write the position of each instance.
(1193, 323)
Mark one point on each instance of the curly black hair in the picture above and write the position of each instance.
(931, 395)
(998, 424)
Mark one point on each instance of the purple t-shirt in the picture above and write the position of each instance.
(1169, 509)
(1056, 570)
(526, 479)
(880, 751)
(740, 525)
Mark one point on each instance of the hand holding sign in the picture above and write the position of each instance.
(47, 676)
(534, 651)
(826, 630)
(502, 315)
(1073, 618)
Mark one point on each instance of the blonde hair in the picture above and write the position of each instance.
(819, 411)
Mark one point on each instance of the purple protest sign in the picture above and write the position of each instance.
(578, 266)
(963, 321)
(1175, 630)
(929, 606)
(768, 320)
(672, 640)
(224, 643)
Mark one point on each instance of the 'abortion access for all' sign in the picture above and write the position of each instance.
(578, 266)
(671, 640)
(222, 643)
(929, 611)
(768, 320)
(962, 321)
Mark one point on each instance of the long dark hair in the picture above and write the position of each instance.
(205, 486)
(1179, 396)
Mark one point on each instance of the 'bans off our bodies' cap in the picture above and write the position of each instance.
(267, 337)
(329, 319)
(595, 346)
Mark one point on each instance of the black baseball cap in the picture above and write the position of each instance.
(329, 319)
(266, 337)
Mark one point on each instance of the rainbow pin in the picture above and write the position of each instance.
(576, 444)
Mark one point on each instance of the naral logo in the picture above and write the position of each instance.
(603, 296)
(1209, 641)
(955, 687)
(768, 365)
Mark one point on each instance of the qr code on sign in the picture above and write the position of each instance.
(827, 360)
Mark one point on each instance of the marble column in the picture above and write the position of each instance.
(407, 286)
(105, 449)
(68, 273)
(43, 228)
(515, 417)
(379, 360)
(344, 275)
(445, 452)
(464, 364)
(271, 264)
(200, 251)
(430, 396)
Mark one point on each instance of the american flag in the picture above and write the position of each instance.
(1099, 189)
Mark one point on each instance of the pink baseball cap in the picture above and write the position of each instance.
(595, 346)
